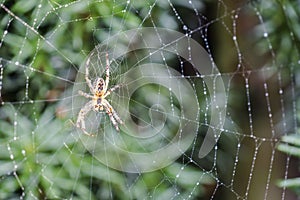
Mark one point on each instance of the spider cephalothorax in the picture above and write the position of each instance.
(99, 91)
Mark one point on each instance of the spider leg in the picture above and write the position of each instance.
(107, 70)
(82, 113)
(88, 81)
(108, 92)
(113, 115)
(85, 94)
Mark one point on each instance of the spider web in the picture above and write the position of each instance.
(204, 95)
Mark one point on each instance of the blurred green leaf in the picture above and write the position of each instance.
(292, 150)
(292, 183)
(290, 145)
(292, 139)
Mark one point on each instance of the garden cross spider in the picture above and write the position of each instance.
(100, 91)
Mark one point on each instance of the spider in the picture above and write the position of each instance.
(100, 91)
